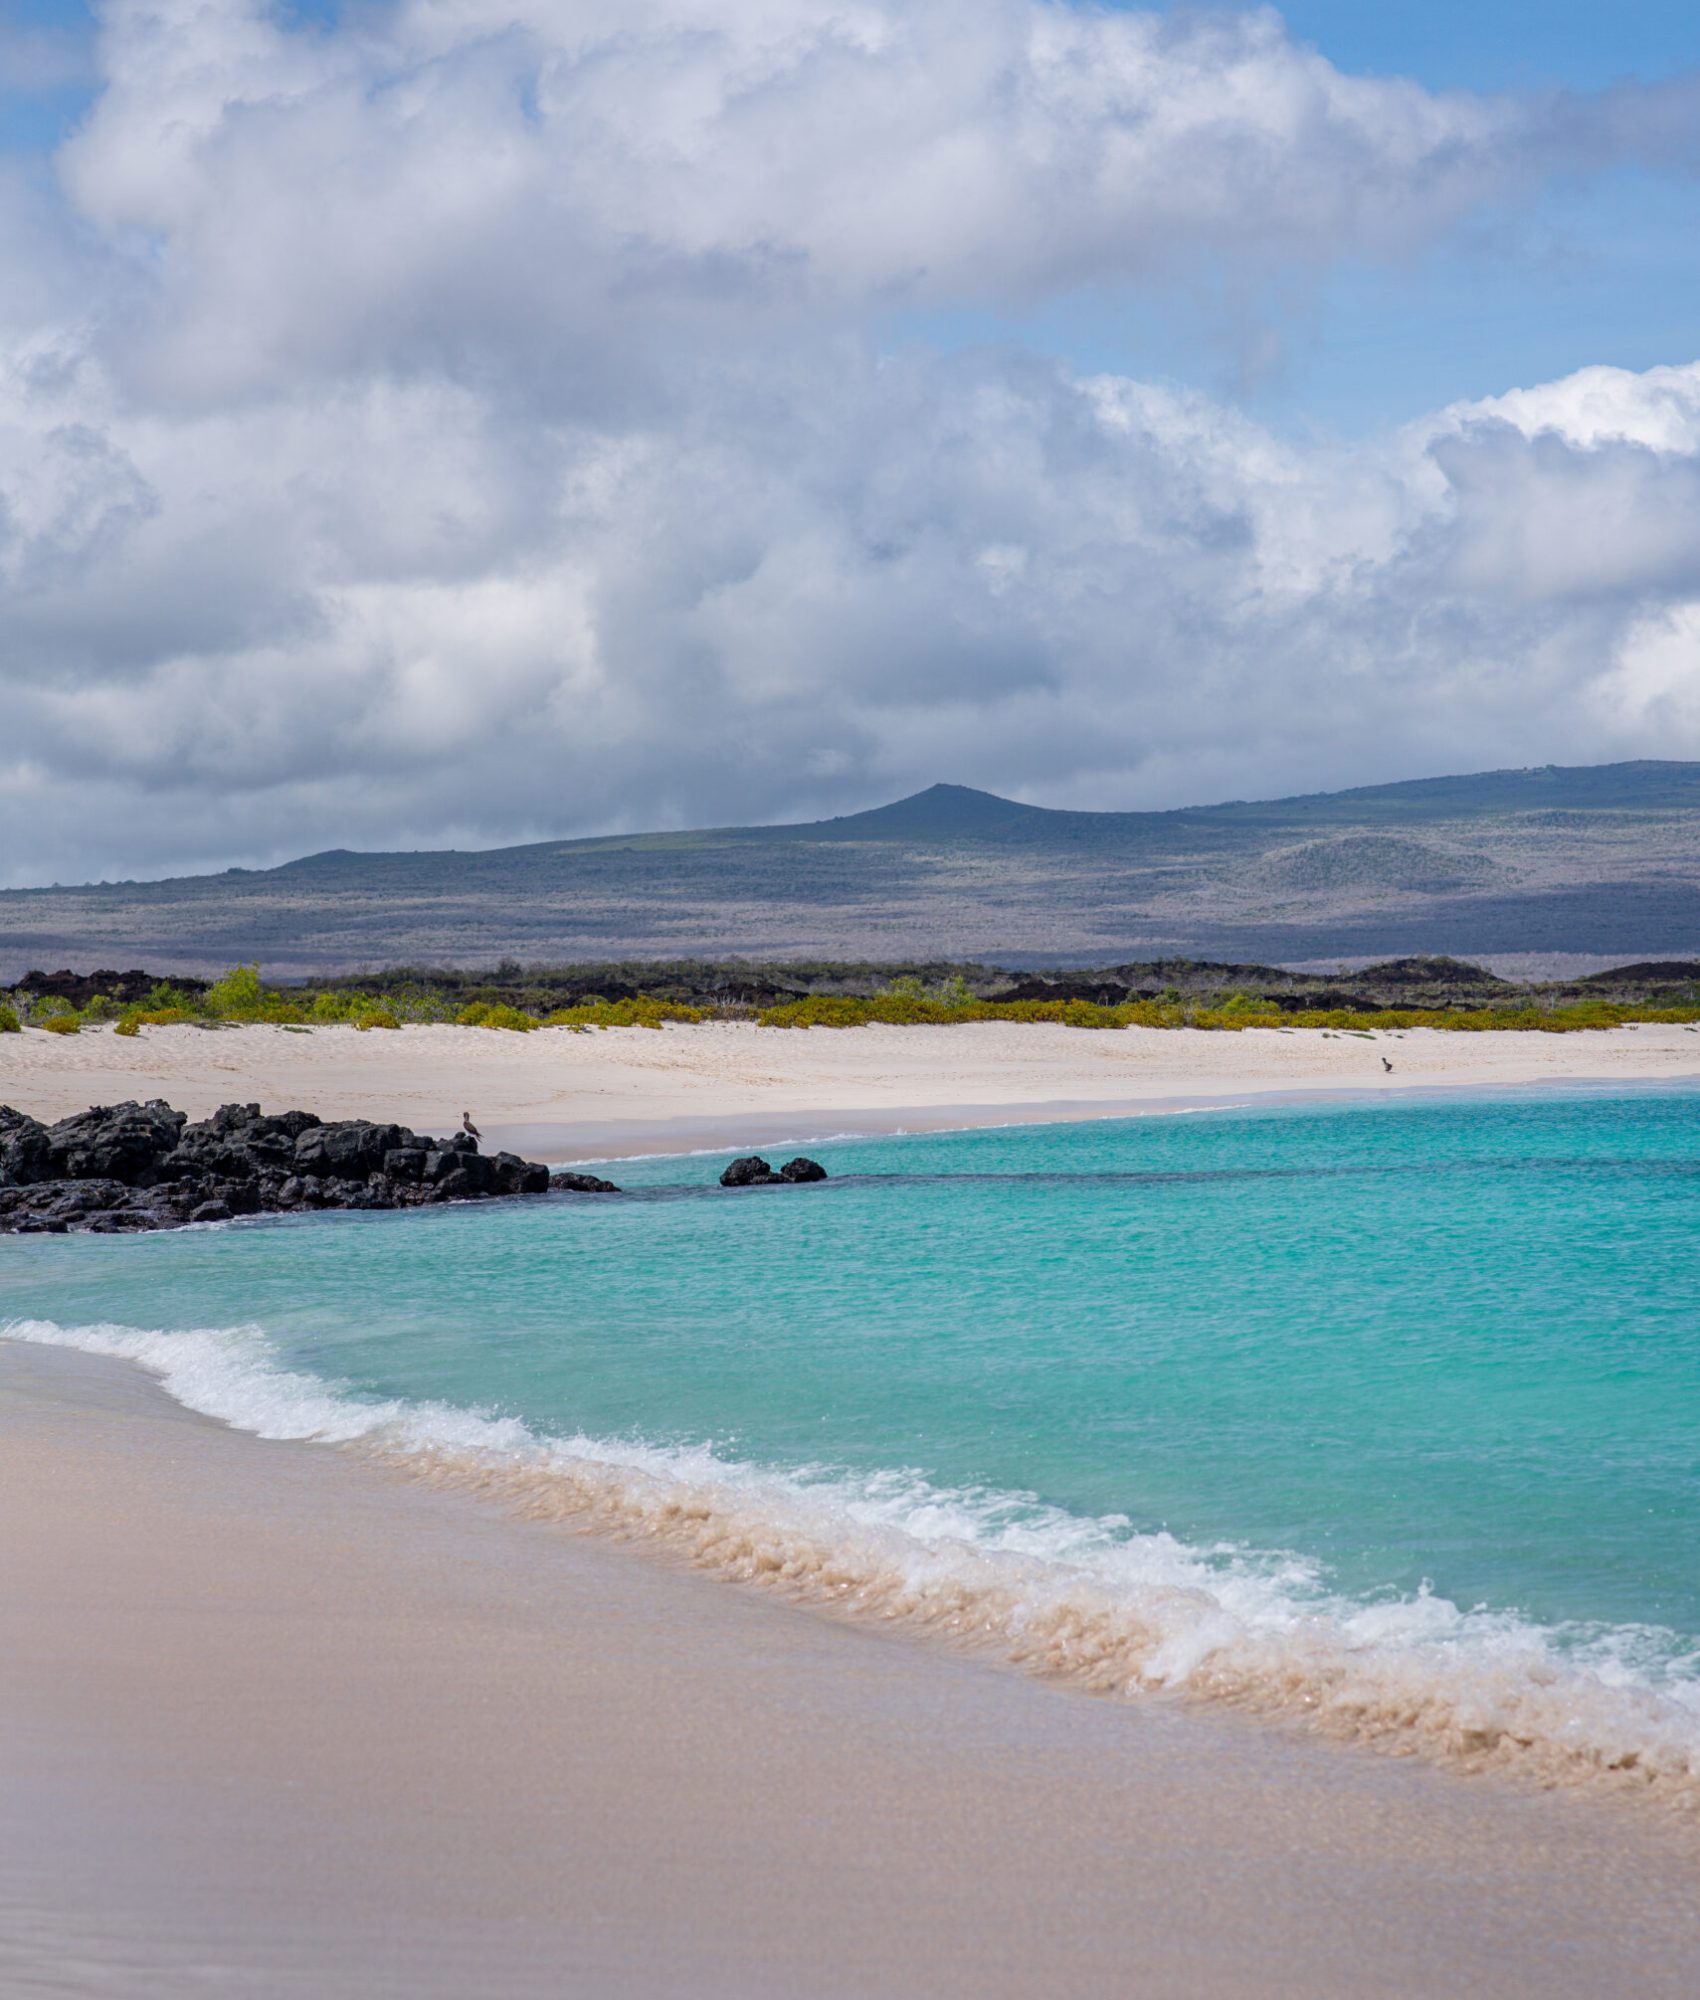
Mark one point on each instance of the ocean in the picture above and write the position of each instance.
(1383, 1417)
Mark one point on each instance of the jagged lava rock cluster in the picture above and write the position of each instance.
(144, 1166)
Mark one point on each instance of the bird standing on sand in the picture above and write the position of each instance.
(467, 1126)
(1385, 1064)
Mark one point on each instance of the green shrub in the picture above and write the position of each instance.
(164, 998)
(61, 1024)
(908, 988)
(375, 1017)
(129, 1025)
(1239, 1010)
(481, 1014)
(238, 994)
(641, 1012)
(9, 1022)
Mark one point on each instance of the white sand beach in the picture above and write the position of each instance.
(562, 1095)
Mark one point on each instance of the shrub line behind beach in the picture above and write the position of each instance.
(241, 998)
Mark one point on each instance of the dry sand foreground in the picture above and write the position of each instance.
(277, 1723)
(563, 1095)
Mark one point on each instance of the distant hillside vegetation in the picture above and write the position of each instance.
(1600, 861)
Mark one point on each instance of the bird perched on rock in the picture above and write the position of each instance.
(467, 1126)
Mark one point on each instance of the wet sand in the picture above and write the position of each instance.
(559, 1096)
(276, 1721)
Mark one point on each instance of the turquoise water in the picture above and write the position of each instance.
(1414, 1381)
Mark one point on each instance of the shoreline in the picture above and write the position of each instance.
(275, 1715)
(680, 1138)
(1456, 1706)
(615, 1092)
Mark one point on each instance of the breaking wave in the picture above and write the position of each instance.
(1087, 1601)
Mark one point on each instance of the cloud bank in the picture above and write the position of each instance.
(483, 421)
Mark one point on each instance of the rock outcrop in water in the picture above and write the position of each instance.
(754, 1171)
(145, 1166)
(564, 1183)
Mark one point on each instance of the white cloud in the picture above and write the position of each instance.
(467, 424)
(554, 183)
(1659, 408)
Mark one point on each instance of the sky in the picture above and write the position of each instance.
(471, 421)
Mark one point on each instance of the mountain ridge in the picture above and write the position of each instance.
(1594, 860)
(967, 811)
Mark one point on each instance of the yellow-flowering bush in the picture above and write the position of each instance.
(482, 1014)
(639, 1013)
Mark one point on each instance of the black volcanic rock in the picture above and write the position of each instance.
(350, 1151)
(143, 1166)
(513, 1175)
(127, 988)
(23, 1148)
(120, 1142)
(239, 1140)
(565, 1183)
(754, 1171)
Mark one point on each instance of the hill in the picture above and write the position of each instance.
(1598, 861)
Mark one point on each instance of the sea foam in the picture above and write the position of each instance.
(1086, 1601)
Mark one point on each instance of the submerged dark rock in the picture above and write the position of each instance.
(131, 1166)
(800, 1169)
(565, 1183)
